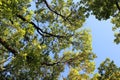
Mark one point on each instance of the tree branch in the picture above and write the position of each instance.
(8, 47)
(39, 30)
(65, 18)
(117, 6)
(61, 61)
(53, 10)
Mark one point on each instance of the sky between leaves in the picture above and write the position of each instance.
(103, 40)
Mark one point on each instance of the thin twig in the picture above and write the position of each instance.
(117, 4)
(53, 10)
(65, 18)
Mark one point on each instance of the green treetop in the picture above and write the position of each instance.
(39, 38)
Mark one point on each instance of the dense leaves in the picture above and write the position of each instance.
(108, 71)
(40, 38)
(36, 37)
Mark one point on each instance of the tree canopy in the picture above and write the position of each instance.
(40, 38)
(108, 71)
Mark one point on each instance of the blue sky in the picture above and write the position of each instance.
(103, 40)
